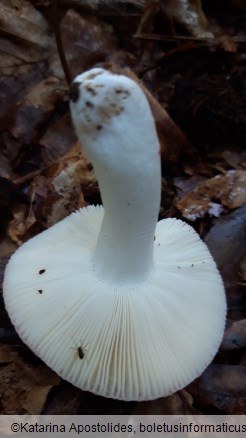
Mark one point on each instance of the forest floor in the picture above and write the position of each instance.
(194, 73)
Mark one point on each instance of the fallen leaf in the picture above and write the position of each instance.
(61, 192)
(186, 185)
(190, 14)
(16, 54)
(226, 239)
(58, 139)
(235, 159)
(3, 263)
(10, 195)
(85, 42)
(28, 25)
(180, 403)
(34, 109)
(100, 4)
(212, 195)
(24, 388)
(146, 22)
(222, 386)
(243, 268)
(24, 218)
(24, 42)
(7, 248)
(235, 335)
(65, 401)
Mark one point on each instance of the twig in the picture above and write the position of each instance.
(60, 48)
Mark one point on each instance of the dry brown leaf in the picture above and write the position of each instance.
(24, 388)
(39, 101)
(235, 159)
(235, 335)
(151, 8)
(185, 185)
(27, 24)
(179, 403)
(99, 4)
(3, 262)
(189, 13)
(7, 247)
(14, 82)
(243, 269)
(65, 401)
(212, 195)
(11, 197)
(222, 386)
(77, 168)
(84, 42)
(16, 53)
(61, 192)
(226, 239)
(59, 139)
(24, 44)
(23, 220)
(53, 196)
(6, 170)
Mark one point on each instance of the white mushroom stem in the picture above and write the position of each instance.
(117, 130)
(131, 198)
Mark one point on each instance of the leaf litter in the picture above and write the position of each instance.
(189, 57)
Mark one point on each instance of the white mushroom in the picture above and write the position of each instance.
(114, 302)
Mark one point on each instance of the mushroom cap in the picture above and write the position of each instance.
(129, 343)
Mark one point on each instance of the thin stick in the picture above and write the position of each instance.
(60, 48)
